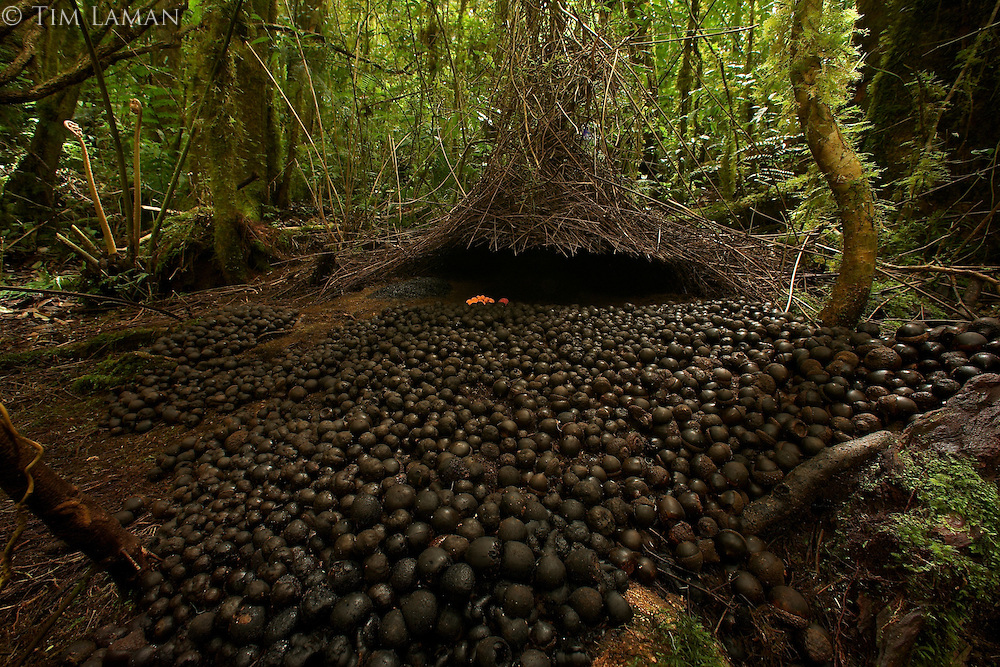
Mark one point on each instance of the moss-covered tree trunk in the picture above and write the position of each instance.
(844, 172)
(29, 194)
(685, 77)
(234, 143)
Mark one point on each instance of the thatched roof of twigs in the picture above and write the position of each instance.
(551, 183)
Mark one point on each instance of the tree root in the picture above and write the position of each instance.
(804, 483)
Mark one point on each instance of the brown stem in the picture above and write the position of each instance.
(85, 241)
(109, 239)
(87, 257)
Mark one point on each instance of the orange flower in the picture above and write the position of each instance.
(504, 301)
(482, 298)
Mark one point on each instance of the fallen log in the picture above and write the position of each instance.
(71, 515)
(805, 482)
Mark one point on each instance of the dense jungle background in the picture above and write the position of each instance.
(191, 190)
(362, 121)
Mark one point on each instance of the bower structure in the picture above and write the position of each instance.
(561, 227)
(552, 197)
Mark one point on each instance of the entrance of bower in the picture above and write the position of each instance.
(544, 276)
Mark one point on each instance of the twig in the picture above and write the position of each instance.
(85, 240)
(96, 297)
(64, 604)
(976, 272)
(941, 302)
(791, 283)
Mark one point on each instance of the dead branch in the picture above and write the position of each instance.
(82, 70)
(805, 482)
(971, 271)
(71, 515)
(96, 297)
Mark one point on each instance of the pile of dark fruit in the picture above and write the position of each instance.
(475, 485)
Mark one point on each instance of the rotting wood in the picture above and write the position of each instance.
(806, 481)
(70, 514)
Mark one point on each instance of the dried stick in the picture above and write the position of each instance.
(46, 626)
(87, 257)
(975, 272)
(88, 245)
(795, 269)
(96, 297)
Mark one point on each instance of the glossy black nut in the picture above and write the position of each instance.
(492, 652)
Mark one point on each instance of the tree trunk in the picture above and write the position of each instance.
(842, 169)
(233, 142)
(71, 515)
(685, 77)
(29, 195)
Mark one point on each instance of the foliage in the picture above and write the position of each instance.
(835, 43)
(385, 114)
(954, 500)
(895, 304)
(680, 640)
(42, 278)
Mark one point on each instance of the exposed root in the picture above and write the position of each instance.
(804, 483)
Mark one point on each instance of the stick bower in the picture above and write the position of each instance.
(563, 209)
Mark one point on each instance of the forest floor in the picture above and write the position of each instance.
(50, 343)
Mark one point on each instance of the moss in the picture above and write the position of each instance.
(114, 372)
(117, 341)
(101, 344)
(184, 234)
(12, 360)
(950, 545)
(682, 641)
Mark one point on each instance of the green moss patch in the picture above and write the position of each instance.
(950, 545)
(682, 641)
(114, 372)
(100, 345)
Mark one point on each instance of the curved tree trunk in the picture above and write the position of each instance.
(843, 171)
